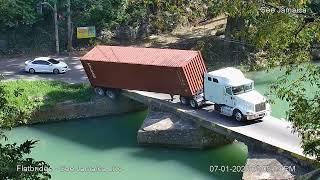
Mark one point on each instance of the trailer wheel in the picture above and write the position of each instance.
(194, 104)
(99, 91)
(112, 93)
(184, 100)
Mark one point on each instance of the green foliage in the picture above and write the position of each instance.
(24, 29)
(285, 37)
(304, 109)
(13, 155)
(28, 96)
(18, 100)
(18, 13)
(101, 13)
(285, 40)
(8, 112)
(164, 16)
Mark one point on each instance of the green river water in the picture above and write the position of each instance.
(110, 143)
(263, 79)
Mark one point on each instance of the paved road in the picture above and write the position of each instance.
(270, 130)
(13, 68)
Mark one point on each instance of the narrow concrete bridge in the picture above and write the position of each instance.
(269, 134)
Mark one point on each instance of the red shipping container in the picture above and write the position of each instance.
(168, 71)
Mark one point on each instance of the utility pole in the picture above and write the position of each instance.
(55, 16)
(69, 26)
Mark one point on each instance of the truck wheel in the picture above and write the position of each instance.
(217, 107)
(112, 93)
(194, 104)
(238, 115)
(184, 100)
(99, 91)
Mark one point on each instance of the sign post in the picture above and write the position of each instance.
(86, 32)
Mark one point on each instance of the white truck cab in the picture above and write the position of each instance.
(234, 95)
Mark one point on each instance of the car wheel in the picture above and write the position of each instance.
(184, 100)
(238, 115)
(99, 91)
(31, 71)
(56, 71)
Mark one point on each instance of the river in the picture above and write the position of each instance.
(110, 143)
(264, 79)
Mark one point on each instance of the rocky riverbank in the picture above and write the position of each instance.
(98, 106)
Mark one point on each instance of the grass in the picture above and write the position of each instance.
(47, 93)
(43, 93)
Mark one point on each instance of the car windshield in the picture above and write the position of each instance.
(242, 89)
(53, 61)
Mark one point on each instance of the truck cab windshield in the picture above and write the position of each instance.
(242, 89)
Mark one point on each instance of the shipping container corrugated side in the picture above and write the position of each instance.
(184, 79)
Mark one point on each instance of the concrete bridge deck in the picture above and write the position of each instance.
(269, 133)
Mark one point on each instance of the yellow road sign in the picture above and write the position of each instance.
(86, 32)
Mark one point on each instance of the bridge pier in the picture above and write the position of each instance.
(262, 166)
(268, 164)
(163, 128)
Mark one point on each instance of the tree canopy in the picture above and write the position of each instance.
(285, 39)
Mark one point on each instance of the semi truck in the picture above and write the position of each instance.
(176, 72)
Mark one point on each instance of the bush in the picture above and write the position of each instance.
(12, 155)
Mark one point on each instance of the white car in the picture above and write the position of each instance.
(45, 64)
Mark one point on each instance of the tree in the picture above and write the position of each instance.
(12, 156)
(56, 26)
(13, 162)
(285, 37)
(164, 16)
(101, 13)
(69, 24)
(17, 13)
